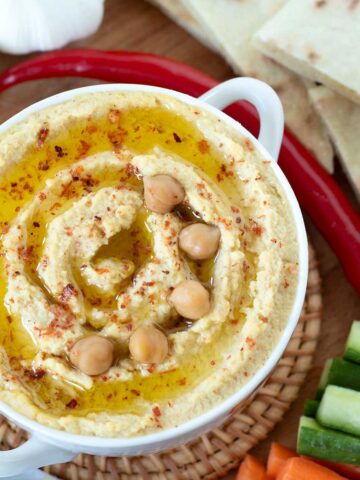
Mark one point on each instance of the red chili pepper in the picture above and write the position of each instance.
(352, 472)
(318, 193)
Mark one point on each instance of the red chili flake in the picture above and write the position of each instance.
(91, 129)
(72, 404)
(5, 227)
(248, 144)
(129, 326)
(43, 165)
(286, 283)
(250, 341)
(68, 231)
(35, 374)
(238, 220)
(135, 392)
(114, 115)
(182, 381)
(203, 146)
(76, 173)
(83, 148)
(118, 136)
(156, 411)
(234, 321)
(101, 271)
(26, 253)
(36, 224)
(149, 284)
(226, 221)
(62, 321)
(263, 319)
(42, 196)
(176, 137)
(235, 209)
(68, 191)
(59, 151)
(28, 187)
(131, 170)
(291, 268)
(256, 228)
(41, 136)
(273, 240)
(89, 181)
(245, 266)
(68, 291)
(152, 298)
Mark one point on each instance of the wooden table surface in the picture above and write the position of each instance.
(136, 25)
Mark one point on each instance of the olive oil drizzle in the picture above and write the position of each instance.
(139, 130)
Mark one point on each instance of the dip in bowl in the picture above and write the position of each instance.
(153, 265)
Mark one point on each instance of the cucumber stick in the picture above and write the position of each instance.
(340, 409)
(339, 372)
(352, 347)
(317, 441)
(310, 408)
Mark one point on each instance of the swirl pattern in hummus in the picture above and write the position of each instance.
(66, 289)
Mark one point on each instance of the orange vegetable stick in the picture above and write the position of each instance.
(251, 469)
(303, 469)
(278, 455)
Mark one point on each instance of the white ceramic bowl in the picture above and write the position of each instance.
(47, 445)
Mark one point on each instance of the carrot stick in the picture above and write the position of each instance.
(303, 469)
(277, 458)
(251, 469)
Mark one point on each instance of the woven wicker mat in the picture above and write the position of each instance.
(214, 454)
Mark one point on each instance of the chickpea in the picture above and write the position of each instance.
(162, 193)
(148, 345)
(191, 300)
(199, 241)
(92, 355)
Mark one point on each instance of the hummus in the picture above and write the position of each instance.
(83, 255)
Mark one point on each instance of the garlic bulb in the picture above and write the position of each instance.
(30, 25)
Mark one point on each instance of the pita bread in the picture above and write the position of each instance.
(232, 23)
(318, 39)
(342, 118)
(180, 15)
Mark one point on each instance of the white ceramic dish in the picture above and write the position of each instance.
(46, 445)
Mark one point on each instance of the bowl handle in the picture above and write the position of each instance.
(265, 100)
(32, 454)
